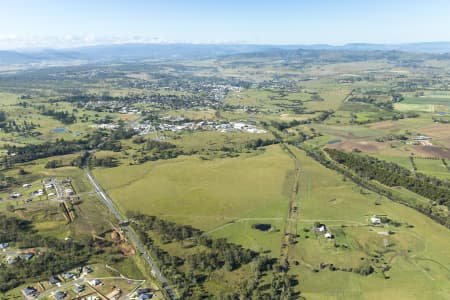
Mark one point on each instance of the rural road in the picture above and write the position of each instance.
(132, 237)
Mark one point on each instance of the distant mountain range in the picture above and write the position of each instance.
(133, 52)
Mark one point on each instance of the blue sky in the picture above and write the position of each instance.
(65, 22)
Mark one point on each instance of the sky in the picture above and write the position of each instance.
(69, 23)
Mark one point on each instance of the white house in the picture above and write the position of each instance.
(328, 235)
(95, 282)
(15, 195)
(375, 220)
(322, 228)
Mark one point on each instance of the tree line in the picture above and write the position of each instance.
(392, 174)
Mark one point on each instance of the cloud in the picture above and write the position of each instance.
(12, 42)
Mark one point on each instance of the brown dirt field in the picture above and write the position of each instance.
(126, 249)
(430, 151)
(370, 147)
(384, 125)
(128, 117)
(440, 132)
(385, 147)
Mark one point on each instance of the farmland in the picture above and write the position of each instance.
(206, 193)
(231, 168)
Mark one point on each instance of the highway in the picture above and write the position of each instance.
(132, 236)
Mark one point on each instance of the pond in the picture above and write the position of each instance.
(333, 142)
(59, 130)
(262, 227)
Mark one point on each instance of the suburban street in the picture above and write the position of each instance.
(132, 236)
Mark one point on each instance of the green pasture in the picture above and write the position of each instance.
(201, 193)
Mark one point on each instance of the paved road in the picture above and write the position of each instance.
(132, 236)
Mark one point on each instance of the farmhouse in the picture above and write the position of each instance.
(322, 228)
(375, 220)
(26, 185)
(4, 246)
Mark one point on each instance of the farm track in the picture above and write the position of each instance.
(290, 227)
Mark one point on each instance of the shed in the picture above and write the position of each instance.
(328, 235)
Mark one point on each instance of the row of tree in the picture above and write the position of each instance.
(392, 174)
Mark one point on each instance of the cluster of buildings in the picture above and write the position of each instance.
(105, 126)
(147, 128)
(14, 256)
(323, 229)
(31, 292)
(422, 140)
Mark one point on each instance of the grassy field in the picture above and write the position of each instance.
(416, 253)
(433, 167)
(204, 194)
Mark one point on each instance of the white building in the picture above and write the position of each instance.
(375, 220)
